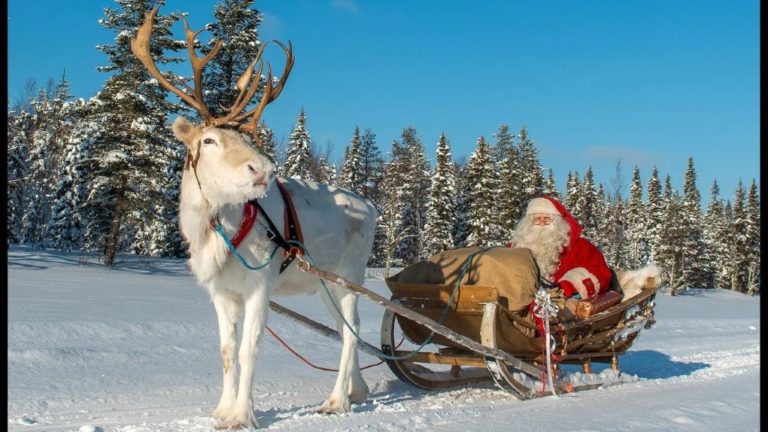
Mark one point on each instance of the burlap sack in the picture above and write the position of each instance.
(512, 271)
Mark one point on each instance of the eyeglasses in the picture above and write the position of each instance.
(541, 219)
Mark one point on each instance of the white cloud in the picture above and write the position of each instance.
(346, 5)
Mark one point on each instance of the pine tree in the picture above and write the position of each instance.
(753, 239)
(267, 142)
(373, 168)
(636, 216)
(481, 176)
(129, 186)
(392, 227)
(740, 245)
(509, 202)
(531, 178)
(605, 237)
(352, 174)
(573, 192)
(299, 154)
(237, 27)
(373, 178)
(616, 250)
(42, 172)
(550, 186)
(655, 213)
(693, 244)
(460, 230)
(416, 190)
(64, 225)
(20, 124)
(672, 233)
(441, 204)
(586, 207)
(716, 238)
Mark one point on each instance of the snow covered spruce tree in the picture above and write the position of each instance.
(416, 193)
(441, 205)
(130, 204)
(460, 229)
(529, 168)
(509, 202)
(298, 156)
(35, 204)
(740, 245)
(352, 171)
(267, 141)
(63, 231)
(483, 184)
(654, 214)
(696, 268)
(403, 210)
(320, 168)
(373, 167)
(373, 178)
(391, 229)
(615, 244)
(550, 186)
(672, 233)
(638, 253)
(572, 192)
(587, 205)
(753, 239)
(716, 235)
(237, 27)
(20, 124)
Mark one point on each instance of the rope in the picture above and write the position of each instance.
(219, 229)
(302, 358)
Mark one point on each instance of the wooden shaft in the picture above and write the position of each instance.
(323, 329)
(421, 319)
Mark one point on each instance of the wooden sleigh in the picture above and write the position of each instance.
(473, 338)
(478, 313)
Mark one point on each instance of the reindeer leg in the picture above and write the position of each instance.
(358, 389)
(241, 415)
(228, 311)
(350, 385)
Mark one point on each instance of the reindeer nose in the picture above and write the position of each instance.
(258, 175)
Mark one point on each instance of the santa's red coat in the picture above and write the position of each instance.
(582, 269)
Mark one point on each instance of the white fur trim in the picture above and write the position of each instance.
(576, 276)
(541, 205)
(633, 281)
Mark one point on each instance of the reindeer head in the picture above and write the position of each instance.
(227, 169)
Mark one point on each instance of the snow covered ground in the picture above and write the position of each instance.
(135, 348)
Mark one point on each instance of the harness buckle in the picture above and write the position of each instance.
(294, 251)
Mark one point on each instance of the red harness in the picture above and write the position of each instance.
(290, 221)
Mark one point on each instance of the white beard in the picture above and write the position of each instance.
(545, 241)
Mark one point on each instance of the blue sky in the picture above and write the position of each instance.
(648, 83)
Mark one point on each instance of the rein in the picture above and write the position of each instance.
(292, 246)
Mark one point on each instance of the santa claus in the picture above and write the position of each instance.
(563, 256)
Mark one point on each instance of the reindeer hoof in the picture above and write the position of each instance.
(332, 406)
(225, 425)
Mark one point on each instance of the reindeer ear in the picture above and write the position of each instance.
(184, 131)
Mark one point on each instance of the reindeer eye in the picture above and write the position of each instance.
(209, 141)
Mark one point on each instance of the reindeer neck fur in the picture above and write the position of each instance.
(197, 210)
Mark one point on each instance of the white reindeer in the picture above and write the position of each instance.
(222, 173)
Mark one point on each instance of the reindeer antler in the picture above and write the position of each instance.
(247, 84)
